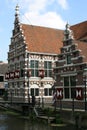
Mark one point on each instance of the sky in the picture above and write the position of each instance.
(47, 13)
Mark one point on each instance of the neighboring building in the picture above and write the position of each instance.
(69, 71)
(3, 82)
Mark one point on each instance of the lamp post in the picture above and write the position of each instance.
(11, 96)
(54, 97)
(85, 74)
(28, 78)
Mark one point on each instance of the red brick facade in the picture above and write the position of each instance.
(69, 70)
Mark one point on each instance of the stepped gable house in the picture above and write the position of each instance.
(34, 52)
(70, 70)
(31, 58)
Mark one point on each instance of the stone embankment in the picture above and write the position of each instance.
(78, 118)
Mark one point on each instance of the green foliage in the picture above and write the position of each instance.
(48, 112)
(32, 116)
(58, 119)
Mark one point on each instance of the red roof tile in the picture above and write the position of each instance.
(49, 40)
(80, 30)
(42, 39)
(83, 47)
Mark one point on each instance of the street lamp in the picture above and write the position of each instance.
(11, 96)
(54, 97)
(85, 79)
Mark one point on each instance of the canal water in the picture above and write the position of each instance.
(9, 122)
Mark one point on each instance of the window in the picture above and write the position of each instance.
(22, 64)
(34, 91)
(22, 73)
(34, 68)
(18, 85)
(11, 67)
(47, 92)
(73, 80)
(66, 91)
(48, 68)
(16, 66)
(69, 86)
(68, 59)
(66, 81)
(1, 78)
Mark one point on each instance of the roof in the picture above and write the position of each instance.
(43, 39)
(83, 47)
(49, 40)
(80, 30)
(80, 34)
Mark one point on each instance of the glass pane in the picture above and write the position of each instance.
(1, 78)
(36, 73)
(36, 92)
(32, 72)
(50, 73)
(66, 91)
(73, 81)
(49, 65)
(32, 91)
(22, 73)
(73, 92)
(45, 64)
(50, 92)
(36, 64)
(66, 81)
(68, 59)
(32, 63)
(46, 92)
(45, 73)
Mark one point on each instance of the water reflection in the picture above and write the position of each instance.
(14, 123)
(36, 126)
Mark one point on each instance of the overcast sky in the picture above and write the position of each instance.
(49, 13)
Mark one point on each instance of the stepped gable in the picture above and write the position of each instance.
(43, 39)
(80, 30)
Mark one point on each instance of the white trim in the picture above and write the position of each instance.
(61, 61)
(47, 96)
(43, 53)
(70, 65)
(65, 75)
(34, 86)
(47, 86)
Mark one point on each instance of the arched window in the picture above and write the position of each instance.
(34, 90)
(48, 90)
